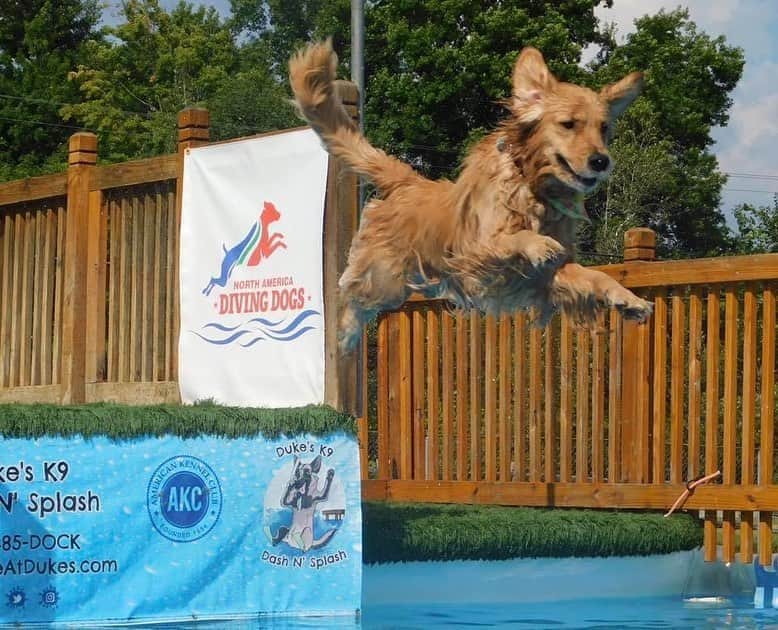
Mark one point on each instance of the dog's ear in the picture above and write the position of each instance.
(620, 95)
(316, 464)
(532, 80)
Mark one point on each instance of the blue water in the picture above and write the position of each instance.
(636, 613)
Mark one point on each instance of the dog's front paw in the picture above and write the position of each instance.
(544, 250)
(630, 305)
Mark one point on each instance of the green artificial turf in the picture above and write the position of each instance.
(121, 422)
(395, 532)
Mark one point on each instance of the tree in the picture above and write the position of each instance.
(438, 70)
(40, 42)
(155, 64)
(757, 228)
(689, 79)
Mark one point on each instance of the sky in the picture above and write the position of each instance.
(747, 148)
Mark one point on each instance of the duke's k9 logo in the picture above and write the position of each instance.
(184, 498)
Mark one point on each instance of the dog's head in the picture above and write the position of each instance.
(303, 473)
(572, 124)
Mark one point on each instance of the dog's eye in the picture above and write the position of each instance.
(568, 124)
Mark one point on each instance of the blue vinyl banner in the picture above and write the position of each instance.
(173, 529)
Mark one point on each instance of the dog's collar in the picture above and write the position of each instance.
(573, 211)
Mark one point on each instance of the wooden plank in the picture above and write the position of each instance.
(48, 261)
(165, 392)
(730, 414)
(476, 369)
(580, 495)
(447, 382)
(582, 408)
(748, 417)
(418, 393)
(393, 395)
(433, 391)
(549, 391)
(136, 172)
(96, 289)
(114, 275)
(711, 412)
(171, 291)
(535, 409)
(136, 291)
(364, 419)
(32, 394)
(33, 188)
(677, 385)
(16, 300)
(5, 297)
(565, 399)
(158, 294)
(126, 245)
(37, 291)
(694, 416)
(520, 398)
(405, 417)
(147, 290)
(598, 400)
(490, 398)
(614, 397)
(382, 395)
(462, 405)
(56, 343)
(658, 450)
(505, 397)
(698, 271)
(27, 264)
(767, 419)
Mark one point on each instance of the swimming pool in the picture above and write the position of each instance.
(664, 612)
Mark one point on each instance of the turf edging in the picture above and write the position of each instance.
(125, 422)
(401, 532)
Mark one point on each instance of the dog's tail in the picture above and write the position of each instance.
(312, 76)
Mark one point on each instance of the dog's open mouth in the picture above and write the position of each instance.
(589, 182)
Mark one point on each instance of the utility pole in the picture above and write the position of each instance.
(358, 53)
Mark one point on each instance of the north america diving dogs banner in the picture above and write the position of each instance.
(252, 325)
(178, 529)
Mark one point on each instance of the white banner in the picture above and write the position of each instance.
(252, 315)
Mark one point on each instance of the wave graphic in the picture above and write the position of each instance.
(257, 329)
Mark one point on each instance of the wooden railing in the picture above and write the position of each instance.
(89, 276)
(480, 410)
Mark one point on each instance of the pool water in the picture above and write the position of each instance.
(646, 613)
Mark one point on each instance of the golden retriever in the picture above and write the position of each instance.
(502, 236)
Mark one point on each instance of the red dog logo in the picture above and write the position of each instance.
(257, 245)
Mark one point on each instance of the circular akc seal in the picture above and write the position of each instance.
(184, 498)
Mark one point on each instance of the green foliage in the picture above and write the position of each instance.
(396, 532)
(689, 78)
(153, 65)
(40, 42)
(757, 228)
(121, 422)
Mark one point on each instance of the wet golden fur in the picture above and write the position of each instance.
(502, 236)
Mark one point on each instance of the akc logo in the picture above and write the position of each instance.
(184, 498)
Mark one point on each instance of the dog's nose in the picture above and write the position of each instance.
(598, 162)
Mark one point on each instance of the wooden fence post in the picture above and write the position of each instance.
(82, 157)
(194, 130)
(341, 374)
(639, 247)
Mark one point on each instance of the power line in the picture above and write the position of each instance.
(43, 123)
(752, 190)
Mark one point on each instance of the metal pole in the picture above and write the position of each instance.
(358, 52)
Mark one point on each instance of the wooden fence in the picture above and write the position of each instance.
(479, 410)
(469, 409)
(89, 276)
